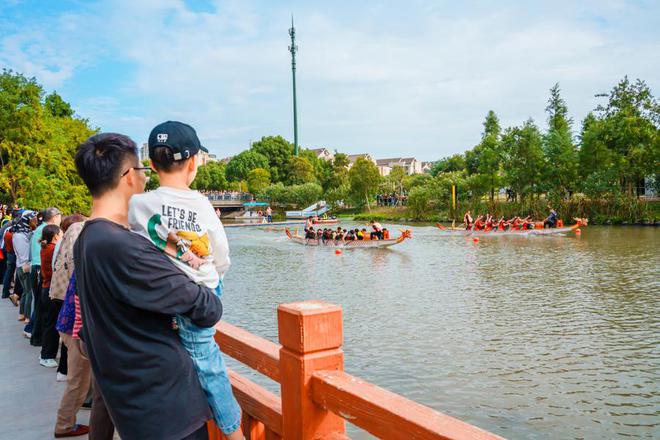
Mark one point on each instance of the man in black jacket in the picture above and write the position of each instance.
(129, 290)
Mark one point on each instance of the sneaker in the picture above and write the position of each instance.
(61, 377)
(48, 363)
(27, 335)
(14, 299)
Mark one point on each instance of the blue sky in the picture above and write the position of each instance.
(389, 78)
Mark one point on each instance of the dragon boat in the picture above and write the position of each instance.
(538, 230)
(352, 244)
(326, 221)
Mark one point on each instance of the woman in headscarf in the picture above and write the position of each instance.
(22, 232)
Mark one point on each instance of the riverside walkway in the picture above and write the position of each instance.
(29, 393)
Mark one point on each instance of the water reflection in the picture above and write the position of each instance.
(529, 337)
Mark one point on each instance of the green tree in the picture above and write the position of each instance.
(561, 155)
(449, 164)
(488, 154)
(258, 179)
(37, 146)
(627, 127)
(216, 175)
(397, 176)
(241, 164)
(56, 106)
(524, 158)
(154, 180)
(364, 179)
(339, 172)
(300, 171)
(277, 152)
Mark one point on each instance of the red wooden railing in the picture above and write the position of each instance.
(317, 396)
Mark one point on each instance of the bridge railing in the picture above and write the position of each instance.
(229, 196)
(317, 396)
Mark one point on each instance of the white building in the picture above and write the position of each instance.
(410, 164)
(352, 158)
(207, 158)
(323, 153)
(144, 152)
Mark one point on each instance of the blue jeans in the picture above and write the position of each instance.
(212, 372)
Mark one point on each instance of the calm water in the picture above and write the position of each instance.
(539, 337)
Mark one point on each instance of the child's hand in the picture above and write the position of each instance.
(192, 260)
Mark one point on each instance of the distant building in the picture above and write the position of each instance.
(144, 152)
(410, 164)
(323, 153)
(352, 158)
(226, 160)
(426, 167)
(207, 158)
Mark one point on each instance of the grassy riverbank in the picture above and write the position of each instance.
(599, 212)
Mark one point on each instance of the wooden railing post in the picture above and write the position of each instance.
(311, 336)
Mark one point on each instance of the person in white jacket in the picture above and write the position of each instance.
(183, 223)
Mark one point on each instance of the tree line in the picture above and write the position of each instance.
(618, 145)
(617, 148)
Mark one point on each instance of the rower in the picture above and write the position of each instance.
(377, 230)
(551, 220)
(479, 223)
(467, 220)
(310, 222)
(502, 224)
(386, 234)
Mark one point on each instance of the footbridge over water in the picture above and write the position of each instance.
(230, 200)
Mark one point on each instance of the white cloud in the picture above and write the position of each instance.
(418, 80)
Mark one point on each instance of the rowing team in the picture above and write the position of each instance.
(340, 234)
(489, 223)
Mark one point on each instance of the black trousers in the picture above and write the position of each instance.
(37, 302)
(50, 338)
(64, 358)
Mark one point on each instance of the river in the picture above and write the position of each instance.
(537, 337)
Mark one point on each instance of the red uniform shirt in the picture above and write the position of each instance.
(47, 264)
(9, 245)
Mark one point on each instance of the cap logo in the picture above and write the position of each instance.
(161, 137)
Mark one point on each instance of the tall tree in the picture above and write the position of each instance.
(449, 165)
(364, 178)
(37, 146)
(397, 176)
(300, 171)
(257, 180)
(561, 155)
(486, 158)
(628, 126)
(277, 151)
(524, 158)
(240, 165)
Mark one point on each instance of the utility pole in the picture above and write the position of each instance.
(293, 49)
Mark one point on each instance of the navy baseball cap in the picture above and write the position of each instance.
(180, 138)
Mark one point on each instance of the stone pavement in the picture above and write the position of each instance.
(29, 394)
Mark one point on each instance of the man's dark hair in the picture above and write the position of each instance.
(102, 159)
(162, 159)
